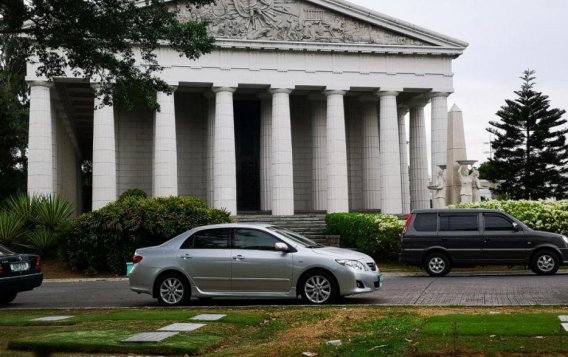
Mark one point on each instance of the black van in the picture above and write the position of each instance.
(439, 239)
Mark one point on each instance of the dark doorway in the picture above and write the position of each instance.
(247, 144)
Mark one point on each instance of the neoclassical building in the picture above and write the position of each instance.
(302, 107)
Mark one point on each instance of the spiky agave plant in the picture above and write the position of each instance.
(22, 206)
(11, 228)
(53, 212)
(41, 241)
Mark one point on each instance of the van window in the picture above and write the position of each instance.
(426, 222)
(496, 222)
(458, 222)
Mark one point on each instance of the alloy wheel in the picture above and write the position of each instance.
(437, 265)
(172, 291)
(546, 263)
(318, 289)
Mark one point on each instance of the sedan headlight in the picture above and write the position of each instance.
(354, 264)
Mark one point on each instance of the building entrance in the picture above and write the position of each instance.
(247, 147)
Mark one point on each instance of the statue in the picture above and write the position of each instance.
(439, 189)
(476, 185)
(466, 180)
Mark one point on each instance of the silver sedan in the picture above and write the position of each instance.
(250, 260)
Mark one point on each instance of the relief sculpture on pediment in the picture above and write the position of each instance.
(289, 20)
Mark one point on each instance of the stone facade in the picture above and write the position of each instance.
(322, 87)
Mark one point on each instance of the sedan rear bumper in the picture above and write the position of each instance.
(16, 284)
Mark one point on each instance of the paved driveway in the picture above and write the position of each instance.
(466, 289)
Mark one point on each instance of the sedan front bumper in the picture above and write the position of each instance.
(353, 282)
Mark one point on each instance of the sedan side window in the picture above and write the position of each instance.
(208, 239)
(253, 239)
(494, 222)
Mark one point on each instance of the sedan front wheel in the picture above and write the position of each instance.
(319, 288)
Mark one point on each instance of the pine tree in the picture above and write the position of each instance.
(531, 153)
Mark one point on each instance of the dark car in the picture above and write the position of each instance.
(439, 239)
(18, 272)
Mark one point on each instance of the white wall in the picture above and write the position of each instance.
(134, 143)
(191, 125)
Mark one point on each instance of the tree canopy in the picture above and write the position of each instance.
(112, 42)
(531, 153)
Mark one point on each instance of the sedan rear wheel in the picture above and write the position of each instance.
(6, 298)
(545, 263)
(173, 290)
(319, 288)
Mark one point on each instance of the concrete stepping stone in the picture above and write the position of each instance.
(182, 327)
(565, 325)
(563, 318)
(52, 318)
(208, 317)
(149, 337)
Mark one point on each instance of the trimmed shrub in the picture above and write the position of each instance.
(549, 216)
(132, 192)
(103, 240)
(374, 234)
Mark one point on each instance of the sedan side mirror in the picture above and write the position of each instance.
(516, 227)
(281, 247)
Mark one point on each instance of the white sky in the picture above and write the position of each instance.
(505, 37)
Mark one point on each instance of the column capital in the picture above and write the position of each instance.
(264, 95)
(329, 92)
(388, 93)
(45, 84)
(224, 89)
(439, 94)
(403, 110)
(280, 90)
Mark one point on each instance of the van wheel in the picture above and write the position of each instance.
(437, 264)
(545, 263)
(173, 290)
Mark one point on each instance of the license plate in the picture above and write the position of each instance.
(20, 267)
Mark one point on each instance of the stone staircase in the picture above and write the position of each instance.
(311, 226)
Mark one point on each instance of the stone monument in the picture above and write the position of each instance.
(466, 178)
(439, 188)
(456, 152)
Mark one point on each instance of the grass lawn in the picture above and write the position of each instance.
(290, 331)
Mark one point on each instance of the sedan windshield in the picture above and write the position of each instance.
(298, 238)
(5, 251)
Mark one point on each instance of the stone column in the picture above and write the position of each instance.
(165, 147)
(439, 132)
(210, 175)
(371, 154)
(337, 170)
(319, 152)
(282, 170)
(402, 111)
(419, 193)
(104, 156)
(40, 145)
(224, 165)
(390, 154)
(265, 152)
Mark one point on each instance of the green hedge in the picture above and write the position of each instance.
(103, 240)
(374, 234)
(550, 216)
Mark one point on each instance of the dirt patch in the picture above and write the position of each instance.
(54, 268)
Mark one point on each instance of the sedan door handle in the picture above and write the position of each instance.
(186, 257)
(238, 257)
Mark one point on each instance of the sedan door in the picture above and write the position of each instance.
(257, 267)
(206, 258)
(502, 242)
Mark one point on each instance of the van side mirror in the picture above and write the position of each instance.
(516, 227)
(281, 247)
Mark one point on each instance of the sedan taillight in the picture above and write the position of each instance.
(38, 264)
(137, 259)
(1, 270)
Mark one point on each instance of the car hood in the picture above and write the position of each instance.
(341, 253)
